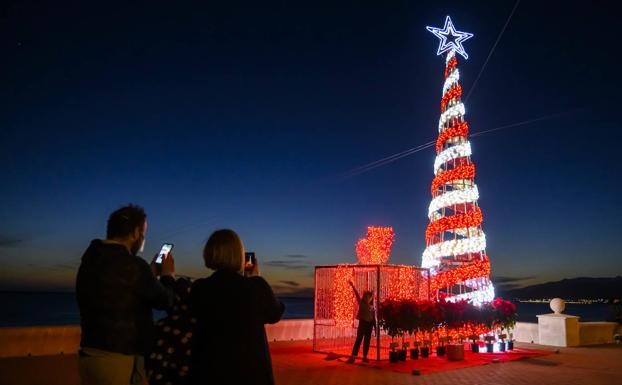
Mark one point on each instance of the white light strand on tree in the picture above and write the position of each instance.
(433, 253)
(456, 197)
(454, 152)
(450, 113)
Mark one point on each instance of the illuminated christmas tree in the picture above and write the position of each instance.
(455, 242)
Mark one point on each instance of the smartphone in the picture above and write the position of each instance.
(166, 248)
(249, 260)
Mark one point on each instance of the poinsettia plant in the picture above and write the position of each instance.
(389, 317)
(431, 318)
(505, 313)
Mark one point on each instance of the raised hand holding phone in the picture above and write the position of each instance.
(251, 267)
(164, 263)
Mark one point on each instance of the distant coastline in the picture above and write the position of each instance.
(30, 308)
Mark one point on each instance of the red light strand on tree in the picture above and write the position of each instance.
(461, 172)
(458, 129)
(471, 219)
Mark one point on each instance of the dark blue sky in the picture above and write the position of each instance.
(242, 116)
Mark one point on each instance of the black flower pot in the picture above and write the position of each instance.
(394, 356)
(425, 352)
(440, 351)
(502, 346)
(475, 347)
(510, 345)
(402, 355)
(490, 348)
(414, 354)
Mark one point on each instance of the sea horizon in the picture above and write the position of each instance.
(48, 308)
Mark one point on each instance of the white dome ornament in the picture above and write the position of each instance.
(558, 305)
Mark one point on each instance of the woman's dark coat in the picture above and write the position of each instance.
(230, 344)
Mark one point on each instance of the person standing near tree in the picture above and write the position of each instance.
(116, 291)
(367, 322)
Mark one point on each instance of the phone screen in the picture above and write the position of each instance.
(166, 248)
(249, 260)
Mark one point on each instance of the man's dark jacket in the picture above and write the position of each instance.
(229, 343)
(116, 292)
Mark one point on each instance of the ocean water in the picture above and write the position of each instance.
(38, 308)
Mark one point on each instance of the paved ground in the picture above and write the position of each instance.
(588, 365)
(294, 363)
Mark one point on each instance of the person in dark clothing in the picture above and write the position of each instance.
(230, 344)
(116, 291)
(169, 360)
(367, 322)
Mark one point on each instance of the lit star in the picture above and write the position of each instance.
(450, 38)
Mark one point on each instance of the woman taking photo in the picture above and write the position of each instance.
(230, 344)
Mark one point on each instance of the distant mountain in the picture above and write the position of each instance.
(573, 288)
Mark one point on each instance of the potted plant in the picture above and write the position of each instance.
(414, 353)
(411, 322)
(425, 350)
(502, 338)
(490, 347)
(440, 348)
(474, 343)
(505, 312)
(471, 318)
(428, 318)
(403, 352)
(488, 317)
(388, 315)
(407, 323)
(394, 355)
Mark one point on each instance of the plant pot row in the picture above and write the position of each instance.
(490, 347)
(424, 352)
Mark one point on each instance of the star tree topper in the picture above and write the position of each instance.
(450, 38)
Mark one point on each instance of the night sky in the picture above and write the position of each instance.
(251, 118)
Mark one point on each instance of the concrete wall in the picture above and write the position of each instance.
(526, 332)
(52, 340)
(590, 333)
(39, 341)
(290, 330)
(596, 333)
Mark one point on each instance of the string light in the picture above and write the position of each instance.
(452, 112)
(453, 93)
(450, 80)
(461, 172)
(477, 297)
(450, 38)
(470, 219)
(460, 274)
(450, 198)
(458, 129)
(455, 247)
(376, 248)
(460, 151)
(344, 299)
(451, 65)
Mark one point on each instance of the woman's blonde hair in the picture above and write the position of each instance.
(224, 251)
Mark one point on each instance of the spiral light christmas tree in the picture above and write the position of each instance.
(455, 242)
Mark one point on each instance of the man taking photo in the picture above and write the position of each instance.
(116, 292)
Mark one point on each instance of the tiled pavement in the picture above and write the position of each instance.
(295, 364)
(572, 366)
